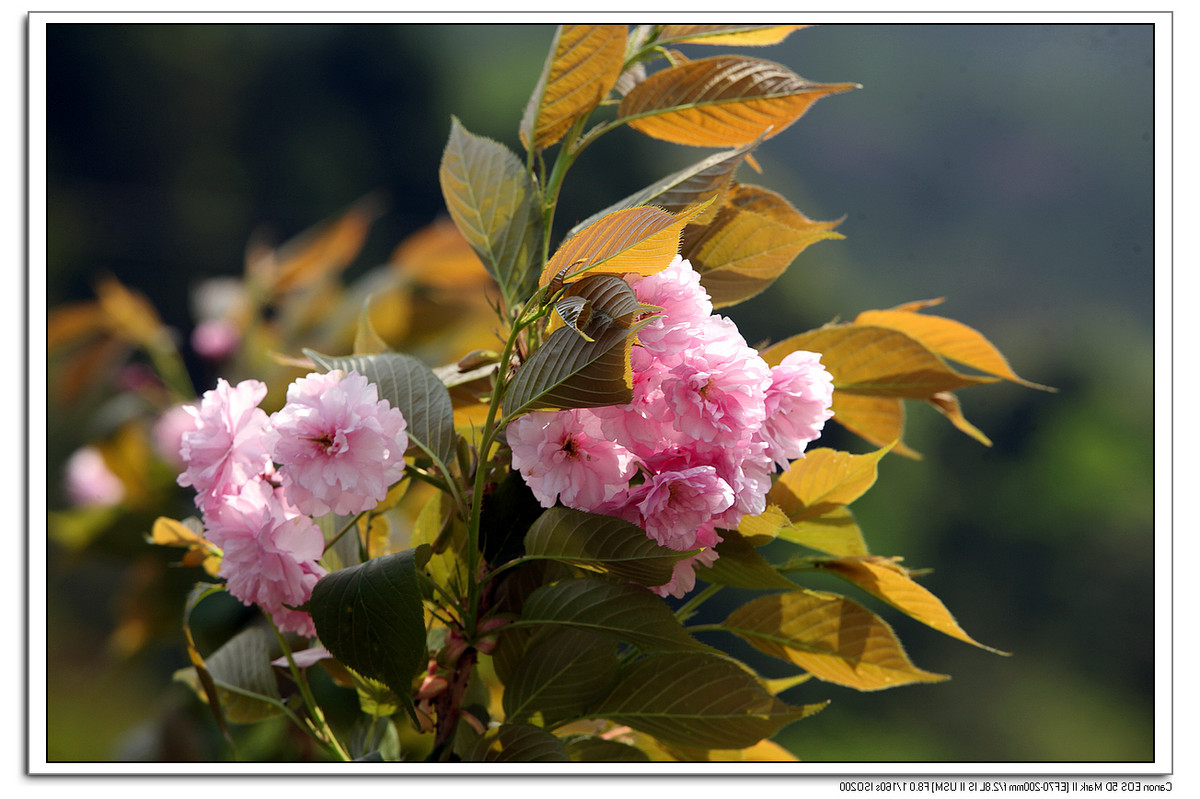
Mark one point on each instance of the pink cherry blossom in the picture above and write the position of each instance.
(563, 455)
(89, 482)
(339, 447)
(269, 552)
(678, 509)
(798, 403)
(683, 578)
(215, 339)
(684, 303)
(168, 434)
(225, 449)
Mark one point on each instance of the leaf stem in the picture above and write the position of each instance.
(689, 608)
(326, 735)
(345, 528)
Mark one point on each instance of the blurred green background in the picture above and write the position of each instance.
(1007, 168)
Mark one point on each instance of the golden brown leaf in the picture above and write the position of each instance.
(949, 406)
(723, 101)
(822, 481)
(877, 419)
(438, 255)
(727, 35)
(582, 67)
(316, 253)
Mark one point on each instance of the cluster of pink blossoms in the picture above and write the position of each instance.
(259, 479)
(696, 448)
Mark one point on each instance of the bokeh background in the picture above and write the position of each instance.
(1007, 168)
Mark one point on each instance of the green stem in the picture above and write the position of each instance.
(345, 528)
(314, 711)
(688, 609)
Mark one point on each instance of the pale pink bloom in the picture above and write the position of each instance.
(168, 434)
(305, 657)
(798, 403)
(678, 509)
(89, 482)
(683, 579)
(717, 391)
(215, 339)
(562, 455)
(684, 303)
(269, 552)
(339, 447)
(225, 449)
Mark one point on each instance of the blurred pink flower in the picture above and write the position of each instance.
(89, 482)
(215, 339)
(269, 552)
(168, 434)
(225, 449)
(798, 403)
(339, 447)
(563, 456)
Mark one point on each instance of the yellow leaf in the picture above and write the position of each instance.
(201, 552)
(822, 481)
(582, 67)
(950, 339)
(948, 405)
(643, 240)
(70, 323)
(834, 532)
(753, 239)
(886, 579)
(728, 35)
(723, 101)
(835, 639)
(877, 419)
(130, 315)
(877, 361)
(316, 253)
(439, 255)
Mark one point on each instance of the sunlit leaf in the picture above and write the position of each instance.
(834, 532)
(581, 68)
(740, 566)
(891, 582)
(601, 543)
(439, 255)
(559, 675)
(366, 340)
(371, 618)
(723, 101)
(726, 35)
(753, 239)
(950, 339)
(877, 361)
(518, 743)
(437, 525)
(494, 204)
(838, 640)
(764, 751)
(693, 185)
(411, 386)
(568, 371)
(879, 420)
(317, 253)
(643, 240)
(822, 481)
(697, 700)
(948, 405)
(623, 611)
(68, 324)
(172, 533)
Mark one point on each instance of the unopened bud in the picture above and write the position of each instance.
(432, 686)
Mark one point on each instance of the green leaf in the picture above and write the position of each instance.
(370, 617)
(698, 183)
(495, 205)
(838, 640)
(583, 64)
(601, 543)
(411, 386)
(560, 674)
(697, 700)
(740, 566)
(623, 611)
(594, 749)
(518, 743)
(568, 371)
(245, 681)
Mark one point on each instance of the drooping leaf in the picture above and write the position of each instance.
(948, 405)
(727, 35)
(370, 617)
(740, 566)
(594, 749)
(643, 240)
(950, 339)
(411, 386)
(876, 361)
(891, 582)
(517, 743)
(315, 254)
(601, 543)
(622, 611)
(568, 371)
(559, 675)
(494, 204)
(702, 181)
(753, 239)
(172, 533)
(835, 532)
(581, 68)
(879, 420)
(366, 339)
(838, 640)
(245, 682)
(823, 481)
(722, 101)
(698, 700)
